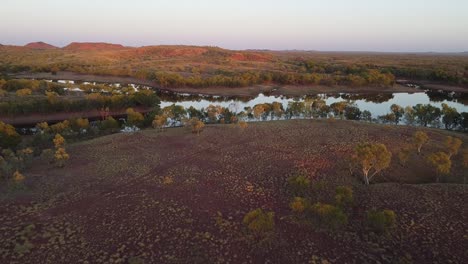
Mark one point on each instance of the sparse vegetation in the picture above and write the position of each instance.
(381, 221)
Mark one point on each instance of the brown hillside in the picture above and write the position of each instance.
(39, 45)
(83, 46)
(251, 57)
(171, 51)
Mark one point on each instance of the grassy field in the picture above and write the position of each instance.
(175, 197)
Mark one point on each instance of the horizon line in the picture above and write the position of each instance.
(248, 49)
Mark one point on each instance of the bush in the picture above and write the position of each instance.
(134, 118)
(197, 125)
(243, 124)
(381, 221)
(9, 138)
(299, 205)
(298, 185)
(259, 223)
(48, 155)
(328, 216)
(23, 92)
(344, 196)
(109, 124)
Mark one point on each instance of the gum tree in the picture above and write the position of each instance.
(371, 159)
(420, 138)
(441, 162)
(452, 145)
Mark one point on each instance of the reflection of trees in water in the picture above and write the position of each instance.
(439, 96)
(177, 97)
(375, 98)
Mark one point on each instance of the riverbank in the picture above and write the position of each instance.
(286, 90)
(51, 118)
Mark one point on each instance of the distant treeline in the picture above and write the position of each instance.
(34, 96)
(327, 75)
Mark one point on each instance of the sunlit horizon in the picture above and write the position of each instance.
(336, 25)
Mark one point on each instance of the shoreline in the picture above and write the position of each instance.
(271, 89)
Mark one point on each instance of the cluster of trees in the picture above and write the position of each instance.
(52, 102)
(423, 115)
(371, 77)
(16, 155)
(334, 215)
(372, 158)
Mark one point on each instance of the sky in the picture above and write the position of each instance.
(325, 25)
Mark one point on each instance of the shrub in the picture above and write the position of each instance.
(18, 178)
(344, 196)
(243, 124)
(197, 125)
(298, 185)
(60, 127)
(9, 138)
(48, 155)
(328, 216)
(381, 221)
(259, 223)
(23, 92)
(59, 141)
(109, 124)
(299, 205)
(159, 122)
(134, 118)
(61, 157)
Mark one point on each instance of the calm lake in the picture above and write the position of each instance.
(377, 104)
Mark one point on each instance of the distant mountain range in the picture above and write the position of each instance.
(93, 46)
(89, 46)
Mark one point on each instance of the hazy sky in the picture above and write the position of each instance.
(371, 25)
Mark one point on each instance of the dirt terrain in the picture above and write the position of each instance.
(175, 197)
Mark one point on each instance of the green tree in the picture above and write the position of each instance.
(134, 118)
(197, 125)
(366, 116)
(352, 112)
(175, 112)
(338, 108)
(420, 138)
(451, 118)
(441, 162)
(426, 114)
(159, 122)
(9, 138)
(398, 112)
(452, 145)
(410, 116)
(371, 159)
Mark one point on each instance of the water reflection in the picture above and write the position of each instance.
(377, 104)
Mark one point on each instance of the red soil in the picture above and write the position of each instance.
(251, 57)
(83, 46)
(39, 45)
(111, 202)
